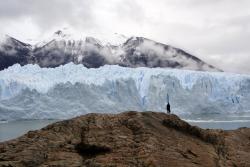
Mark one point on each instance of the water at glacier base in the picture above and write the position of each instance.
(14, 129)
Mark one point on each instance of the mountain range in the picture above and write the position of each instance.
(61, 48)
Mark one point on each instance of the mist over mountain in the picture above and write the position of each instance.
(62, 48)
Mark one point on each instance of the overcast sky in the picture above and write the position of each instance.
(217, 31)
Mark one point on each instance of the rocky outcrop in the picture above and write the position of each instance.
(127, 139)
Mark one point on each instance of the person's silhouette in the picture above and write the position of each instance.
(168, 108)
(168, 105)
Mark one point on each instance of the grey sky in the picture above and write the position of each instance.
(217, 31)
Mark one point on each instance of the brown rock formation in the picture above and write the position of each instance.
(127, 139)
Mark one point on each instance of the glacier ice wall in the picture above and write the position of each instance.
(31, 92)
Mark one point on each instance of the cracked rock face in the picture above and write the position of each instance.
(127, 139)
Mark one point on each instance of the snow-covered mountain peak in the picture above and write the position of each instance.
(10, 43)
(66, 34)
(96, 50)
(59, 35)
(5, 38)
(108, 39)
(114, 39)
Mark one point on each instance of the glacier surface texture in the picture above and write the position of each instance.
(31, 92)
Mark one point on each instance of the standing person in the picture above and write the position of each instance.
(168, 105)
(168, 108)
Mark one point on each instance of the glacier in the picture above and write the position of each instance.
(31, 92)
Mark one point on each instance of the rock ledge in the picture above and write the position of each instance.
(127, 139)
